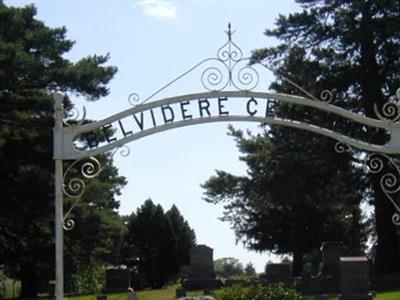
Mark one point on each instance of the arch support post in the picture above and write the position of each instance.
(58, 185)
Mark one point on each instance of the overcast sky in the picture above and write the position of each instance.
(152, 42)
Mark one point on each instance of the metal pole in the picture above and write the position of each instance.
(59, 218)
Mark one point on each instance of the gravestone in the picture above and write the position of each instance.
(275, 273)
(132, 295)
(179, 293)
(52, 289)
(354, 278)
(117, 280)
(201, 273)
(331, 253)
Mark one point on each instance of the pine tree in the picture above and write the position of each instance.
(31, 63)
(161, 241)
(354, 46)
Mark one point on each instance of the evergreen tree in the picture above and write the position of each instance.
(294, 197)
(161, 241)
(183, 238)
(31, 61)
(354, 47)
(249, 270)
(228, 267)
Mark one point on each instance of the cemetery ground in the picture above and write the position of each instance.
(169, 294)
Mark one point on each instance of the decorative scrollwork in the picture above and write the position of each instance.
(341, 147)
(390, 110)
(247, 78)
(396, 219)
(389, 181)
(71, 113)
(123, 150)
(68, 224)
(74, 186)
(133, 99)
(374, 164)
(213, 79)
(326, 96)
(229, 52)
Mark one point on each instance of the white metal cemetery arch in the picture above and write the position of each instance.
(227, 78)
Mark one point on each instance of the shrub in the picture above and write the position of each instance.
(268, 292)
(235, 292)
(273, 292)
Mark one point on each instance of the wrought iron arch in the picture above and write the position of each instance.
(229, 69)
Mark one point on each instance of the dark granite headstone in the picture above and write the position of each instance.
(275, 273)
(201, 273)
(331, 253)
(179, 293)
(132, 295)
(52, 289)
(101, 297)
(354, 278)
(117, 280)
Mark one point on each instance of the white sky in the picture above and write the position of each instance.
(152, 42)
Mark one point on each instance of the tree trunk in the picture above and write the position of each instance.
(387, 250)
(297, 263)
(28, 280)
(387, 253)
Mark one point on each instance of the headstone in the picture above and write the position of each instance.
(201, 273)
(179, 293)
(275, 273)
(52, 289)
(354, 278)
(101, 297)
(132, 295)
(331, 253)
(117, 280)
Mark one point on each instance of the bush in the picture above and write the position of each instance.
(235, 292)
(268, 292)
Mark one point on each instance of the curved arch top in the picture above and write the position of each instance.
(217, 106)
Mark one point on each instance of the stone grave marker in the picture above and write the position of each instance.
(52, 289)
(101, 297)
(117, 280)
(275, 273)
(201, 273)
(179, 293)
(354, 278)
(132, 295)
(331, 253)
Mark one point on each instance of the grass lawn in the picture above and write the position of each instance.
(162, 294)
(169, 294)
(394, 295)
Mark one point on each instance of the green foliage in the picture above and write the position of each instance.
(291, 176)
(350, 48)
(32, 62)
(161, 241)
(268, 292)
(87, 280)
(236, 292)
(228, 267)
(249, 270)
